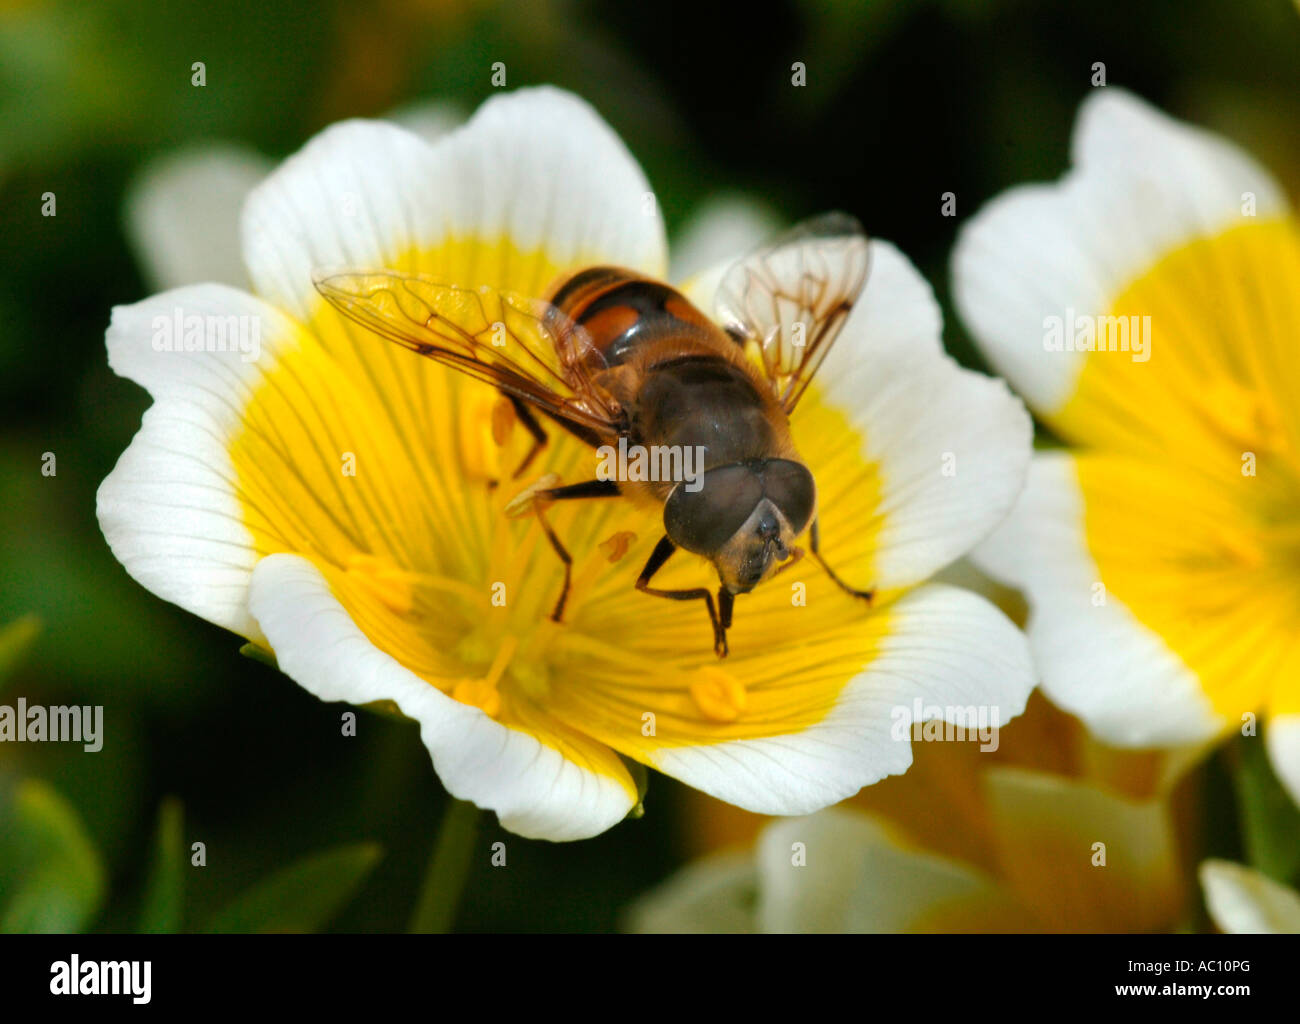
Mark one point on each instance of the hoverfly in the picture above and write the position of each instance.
(613, 354)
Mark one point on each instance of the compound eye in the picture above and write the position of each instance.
(703, 521)
(790, 487)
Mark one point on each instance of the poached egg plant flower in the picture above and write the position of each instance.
(1052, 832)
(1242, 900)
(335, 500)
(1147, 307)
(842, 871)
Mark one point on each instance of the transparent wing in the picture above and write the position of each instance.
(788, 300)
(525, 347)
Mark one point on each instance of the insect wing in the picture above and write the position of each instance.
(788, 300)
(525, 347)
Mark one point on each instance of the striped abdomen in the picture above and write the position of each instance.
(622, 311)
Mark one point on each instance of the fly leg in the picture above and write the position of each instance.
(814, 541)
(534, 429)
(537, 500)
(662, 552)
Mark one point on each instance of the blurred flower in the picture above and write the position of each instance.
(717, 230)
(1244, 901)
(1050, 832)
(1145, 307)
(332, 499)
(844, 871)
(182, 214)
(183, 209)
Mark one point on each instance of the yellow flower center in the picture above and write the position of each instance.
(1190, 470)
(393, 474)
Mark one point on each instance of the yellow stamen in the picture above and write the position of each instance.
(526, 501)
(481, 435)
(482, 693)
(1254, 545)
(503, 421)
(1240, 415)
(589, 570)
(1241, 545)
(615, 547)
(384, 581)
(718, 694)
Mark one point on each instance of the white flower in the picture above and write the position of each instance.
(1068, 856)
(183, 208)
(1145, 307)
(333, 500)
(1241, 900)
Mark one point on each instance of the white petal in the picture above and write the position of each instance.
(358, 194)
(183, 209)
(1282, 740)
(169, 508)
(535, 791)
(1242, 901)
(946, 648)
(953, 446)
(1089, 655)
(182, 215)
(538, 167)
(713, 895)
(1142, 184)
(855, 876)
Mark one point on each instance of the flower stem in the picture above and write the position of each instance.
(435, 910)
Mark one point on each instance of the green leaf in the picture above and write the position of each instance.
(1270, 820)
(303, 896)
(449, 866)
(48, 866)
(164, 895)
(15, 639)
